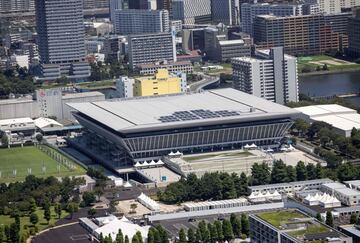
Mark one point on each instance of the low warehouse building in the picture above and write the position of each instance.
(231, 203)
(342, 119)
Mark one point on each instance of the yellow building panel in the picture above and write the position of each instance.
(161, 84)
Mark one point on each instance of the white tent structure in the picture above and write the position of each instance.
(148, 202)
(160, 162)
(113, 224)
(127, 185)
(266, 196)
(247, 146)
(325, 200)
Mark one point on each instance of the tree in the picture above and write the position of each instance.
(325, 67)
(150, 239)
(39, 137)
(302, 126)
(4, 140)
(291, 173)
(228, 185)
(190, 236)
(319, 171)
(58, 210)
(135, 239)
(7, 232)
(329, 219)
(139, 237)
(182, 236)
(14, 233)
(133, 207)
(279, 172)
(301, 172)
(197, 235)
(242, 185)
(32, 205)
(91, 212)
(219, 230)
(17, 220)
(126, 239)
(70, 208)
(353, 218)
(34, 219)
(1, 234)
(311, 171)
(213, 233)
(245, 226)
(120, 237)
(260, 174)
(347, 171)
(236, 224)
(47, 212)
(318, 217)
(88, 198)
(227, 229)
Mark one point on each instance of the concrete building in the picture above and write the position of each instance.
(291, 187)
(334, 6)
(291, 226)
(20, 60)
(354, 34)
(162, 83)
(192, 11)
(271, 75)
(61, 39)
(302, 35)
(172, 67)
(225, 11)
(141, 21)
(220, 204)
(341, 118)
(219, 48)
(150, 48)
(12, 6)
(151, 127)
(249, 11)
(125, 87)
(47, 103)
(24, 125)
(347, 196)
(116, 5)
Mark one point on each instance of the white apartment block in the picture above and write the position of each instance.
(271, 75)
(334, 6)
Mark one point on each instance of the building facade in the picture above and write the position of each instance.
(354, 34)
(172, 67)
(139, 21)
(270, 74)
(225, 11)
(8, 6)
(192, 11)
(162, 83)
(125, 87)
(61, 39)
(299, 35)
(334, 6)
(249, 11)
(150, 48)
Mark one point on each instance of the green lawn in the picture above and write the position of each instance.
(279, 217)
(21, 159)
(307, 62)
(25, 221)
(311, 229)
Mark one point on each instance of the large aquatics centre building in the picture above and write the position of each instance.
(150, 127)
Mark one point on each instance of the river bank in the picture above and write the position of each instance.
(338, 71)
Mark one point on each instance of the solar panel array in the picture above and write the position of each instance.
(197, 115)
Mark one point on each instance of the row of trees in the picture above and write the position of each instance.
(15, 81)
(219, 186)
(226, 230)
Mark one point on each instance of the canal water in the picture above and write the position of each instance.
(331, 84)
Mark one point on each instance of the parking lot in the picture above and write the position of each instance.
(70, 233)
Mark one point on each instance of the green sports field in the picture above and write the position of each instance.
(31, 158)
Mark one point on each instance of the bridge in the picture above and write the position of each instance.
(205, 81)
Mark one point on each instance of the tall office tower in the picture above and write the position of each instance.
(164, 4)
(271, 75)
(60, 28)
(140, 21)
(117, 5)
(150, 48)
(192, 11)
(354, 34)
(302, 35)
(8, 6)
(225, 11)
(334, 6)
(250, 11)
(92, 4)
(138, 4)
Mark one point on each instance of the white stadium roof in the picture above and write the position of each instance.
(129, 115)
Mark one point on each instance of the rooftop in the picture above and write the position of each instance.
(81, 95)
(16, 121)
(214, 107)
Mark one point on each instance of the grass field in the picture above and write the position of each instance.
(21, 159)
(25, 221)
(334, 64)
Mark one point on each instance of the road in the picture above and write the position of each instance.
(206, 80)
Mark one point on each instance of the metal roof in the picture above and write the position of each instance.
(142, 113)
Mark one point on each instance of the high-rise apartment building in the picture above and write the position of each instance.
(354, 34)
(116, 5)
(250, 11)
(225, 11)
(7, 6)
(140, 21)
(301, 35)
(93, 4)
(192, 11)
(334, 6)
(150, 48)
(271, 75)
(61, 41)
